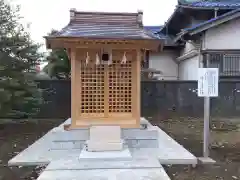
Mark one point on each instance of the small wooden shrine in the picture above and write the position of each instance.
(105, 50)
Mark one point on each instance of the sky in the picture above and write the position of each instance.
(44, 15)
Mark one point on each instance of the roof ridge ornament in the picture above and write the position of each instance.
(140, 17)
(72, 13)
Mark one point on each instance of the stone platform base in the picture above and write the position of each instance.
(146, 137)
(151, 142)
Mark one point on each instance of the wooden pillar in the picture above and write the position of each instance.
(73, 87)
(136, 84)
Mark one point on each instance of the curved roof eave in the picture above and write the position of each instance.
(170, 18)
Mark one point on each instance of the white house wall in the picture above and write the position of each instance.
(188, 61)
(166, 63)
(189, 47)
(188, 68)
(225, 36)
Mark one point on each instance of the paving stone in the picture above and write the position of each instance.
(168, 151)
(76, 164)
(110, 174)
(172, 152)
(164, 156)
(42, 157)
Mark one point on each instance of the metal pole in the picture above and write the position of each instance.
(206, 133)
(215, 12)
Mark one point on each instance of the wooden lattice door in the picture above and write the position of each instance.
(106, 90)
(120, 86)
(92, 90)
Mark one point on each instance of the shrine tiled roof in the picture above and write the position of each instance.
(92, 30)
(106, 25)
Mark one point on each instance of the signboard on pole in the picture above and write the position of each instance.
(208, 82)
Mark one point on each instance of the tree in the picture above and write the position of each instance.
(58, 63)
(19, 94)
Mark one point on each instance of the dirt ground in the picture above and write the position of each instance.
(225, 147)
(15, 137)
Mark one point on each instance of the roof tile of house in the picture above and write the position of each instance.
(156, 30)
(214, 4)
(211, 20)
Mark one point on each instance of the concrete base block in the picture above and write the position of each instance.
(206, 160)
(104, 138)
(83, 134)
(72, 135)
(99, 146)
(105, 133)
(131, 143)
(64, 145)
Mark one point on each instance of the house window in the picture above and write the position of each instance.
(231, 64)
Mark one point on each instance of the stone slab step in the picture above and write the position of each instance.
(114, 155)
(76, 164)
(106, 174)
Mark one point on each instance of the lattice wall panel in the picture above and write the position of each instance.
(92, 87)
(120, 84)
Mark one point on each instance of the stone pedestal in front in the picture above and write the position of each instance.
(104, 138)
